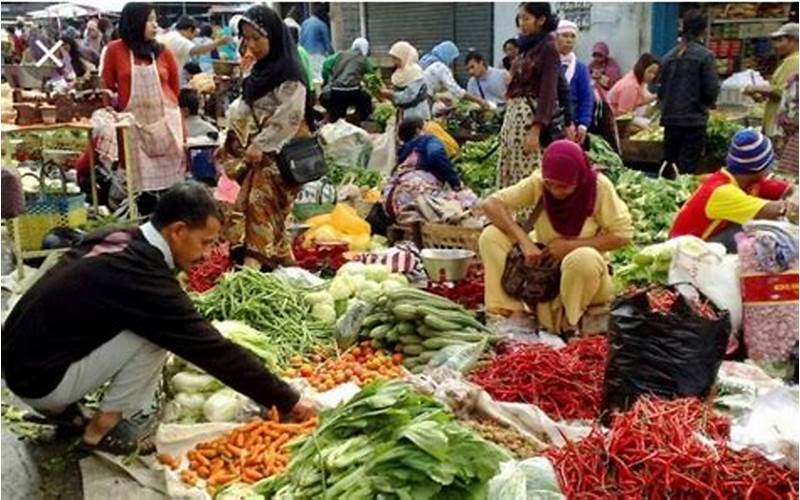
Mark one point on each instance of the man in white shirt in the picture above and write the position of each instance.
(490, 84)
(179, 41)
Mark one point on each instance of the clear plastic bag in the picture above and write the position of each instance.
(525, 479)
(347, 326)
(773, 427)
(461, 358)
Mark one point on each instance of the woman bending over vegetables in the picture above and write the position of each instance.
(269, 114)
(581, 218)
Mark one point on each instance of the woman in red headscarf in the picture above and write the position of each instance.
(580, 217)
(604, 69)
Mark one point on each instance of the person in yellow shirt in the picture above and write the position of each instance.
(581, 218)
(785, 42)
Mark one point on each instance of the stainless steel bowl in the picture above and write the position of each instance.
(446, 264)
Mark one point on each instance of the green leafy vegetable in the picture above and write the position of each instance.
(388, 442)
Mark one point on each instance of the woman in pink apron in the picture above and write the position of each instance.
(145, 76)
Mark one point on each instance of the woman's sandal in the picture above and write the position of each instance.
(124, 438)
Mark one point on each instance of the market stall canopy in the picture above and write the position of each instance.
(102, 6)
(61, 10)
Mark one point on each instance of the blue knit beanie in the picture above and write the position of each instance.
(750, 152)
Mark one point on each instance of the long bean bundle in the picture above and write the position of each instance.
(271, 305)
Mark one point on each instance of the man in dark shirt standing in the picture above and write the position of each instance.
(110, 311)
(689, 88)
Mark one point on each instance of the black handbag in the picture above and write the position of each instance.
(302, 160)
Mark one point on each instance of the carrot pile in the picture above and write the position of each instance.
(655, 451)
(361, 365)
(247, 454)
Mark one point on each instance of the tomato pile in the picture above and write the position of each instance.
(360, 365)
(320, 256)
(467, 292)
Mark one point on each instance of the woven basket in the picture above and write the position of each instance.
(46, 211)
(447, 236)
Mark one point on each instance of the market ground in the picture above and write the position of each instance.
(40, 465)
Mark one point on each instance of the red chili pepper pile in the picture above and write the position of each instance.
(467, 292)
(204, 276)
(566, 383)
(319, 256)
(653, 451)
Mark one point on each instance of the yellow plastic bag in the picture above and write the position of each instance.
(319, 220)
(346, 220)
(322, 234)
(450, 144)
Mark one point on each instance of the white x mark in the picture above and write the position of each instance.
(49, 53)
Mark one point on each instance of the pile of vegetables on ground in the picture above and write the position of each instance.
(566, 383)
(429, 330)
(382, 113)
(468, 116)
(360, 364)
(667, 449)
(387, 442)
(247, 454)
(477, 165)
(272, 306)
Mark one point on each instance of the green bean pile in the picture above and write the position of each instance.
(270, 305)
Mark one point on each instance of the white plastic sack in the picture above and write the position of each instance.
(384, 149)
(739, 385)
(346, 144)
(773, 427)
(731, 90)
(524, 480)
(715, 274)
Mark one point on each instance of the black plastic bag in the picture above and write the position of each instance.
(670, 355)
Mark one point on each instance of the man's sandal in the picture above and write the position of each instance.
(124, 438)
(72, 419)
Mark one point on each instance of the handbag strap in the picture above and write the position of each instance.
(534, 216)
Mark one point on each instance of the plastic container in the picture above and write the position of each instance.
(49, 114)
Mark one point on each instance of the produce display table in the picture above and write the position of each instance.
(87, 128)
(8, 129)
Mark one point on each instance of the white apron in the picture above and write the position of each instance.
(148, 105)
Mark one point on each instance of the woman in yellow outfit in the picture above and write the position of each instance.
(581, 218)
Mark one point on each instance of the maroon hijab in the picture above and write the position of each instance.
(564, 161)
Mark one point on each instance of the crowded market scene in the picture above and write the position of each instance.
(410, 251)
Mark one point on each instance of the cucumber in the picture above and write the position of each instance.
(437, 343)
(463, 335)
(437, 323)
(463, 318)
(413, 349)
(426, 356)
(377, 344)
(392, 335)
(403, 295)
(405, 312)
(424, 331)
(410, 339)
(375, 319)
(418, 369)
(379, 332)
(411, 362)
(406, 328)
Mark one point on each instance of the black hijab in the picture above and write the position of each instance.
(280, 65)
(132, 22)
